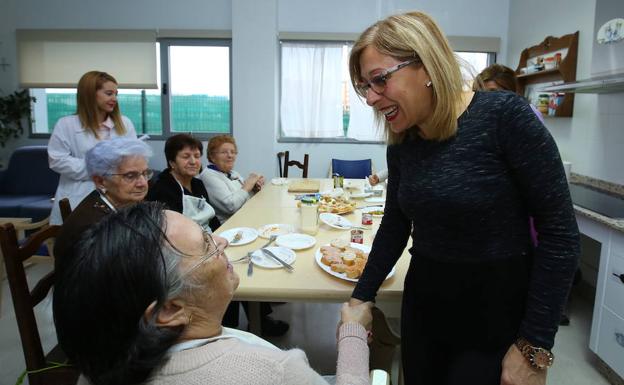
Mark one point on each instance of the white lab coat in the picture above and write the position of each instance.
(66, 155)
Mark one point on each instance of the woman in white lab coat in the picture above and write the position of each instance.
(97, 118)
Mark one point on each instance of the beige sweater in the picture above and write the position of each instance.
(234, 362)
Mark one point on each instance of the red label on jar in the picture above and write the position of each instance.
(367, 219)
(357, 236)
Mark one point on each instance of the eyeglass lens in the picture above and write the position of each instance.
(134, 175)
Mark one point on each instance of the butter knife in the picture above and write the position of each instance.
(278, 259)
(250, 266)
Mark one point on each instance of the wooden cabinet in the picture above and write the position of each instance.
(565, 70)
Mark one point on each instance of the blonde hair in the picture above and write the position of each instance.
(416, 35)
(88, 86)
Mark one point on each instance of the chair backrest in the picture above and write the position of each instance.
(280, 155)
(65, 207)
(28, 173)
(24, 301)
(385, 341)
(353, 169)
(288, 163)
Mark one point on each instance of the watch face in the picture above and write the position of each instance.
(542, 359)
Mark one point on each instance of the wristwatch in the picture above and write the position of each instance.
(538, 357)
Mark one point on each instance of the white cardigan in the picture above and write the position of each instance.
(68, 145)
(225, 194)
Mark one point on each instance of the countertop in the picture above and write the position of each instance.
(602, 186)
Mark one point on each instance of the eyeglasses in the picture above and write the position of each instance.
(212, 245)
(133, 176)
(378, 83)
(228, 152)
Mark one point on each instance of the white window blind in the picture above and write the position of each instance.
(58, 58)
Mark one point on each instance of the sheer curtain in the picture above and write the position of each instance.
(311, 94)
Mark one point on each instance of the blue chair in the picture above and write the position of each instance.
(352, 169)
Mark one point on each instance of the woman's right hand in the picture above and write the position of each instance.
(250, 182)
(373, 179)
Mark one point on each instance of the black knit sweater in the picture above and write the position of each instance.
(468, 199)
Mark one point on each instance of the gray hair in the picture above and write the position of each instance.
(176, 281)
(106, 156)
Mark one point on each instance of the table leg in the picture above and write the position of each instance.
(254, 318)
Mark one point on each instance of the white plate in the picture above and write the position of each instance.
(365, 248)
(373, 208)
(295, 241)
(335, 221)
(249, 235)
(279, 181)
(375, 200)
(261, 259)
(361, 195)
(275, 229)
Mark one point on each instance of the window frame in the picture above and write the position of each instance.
(165, 98)
(165, 43)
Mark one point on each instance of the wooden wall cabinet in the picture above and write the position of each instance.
(565, 71)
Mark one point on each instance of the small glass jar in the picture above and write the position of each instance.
(338, 181)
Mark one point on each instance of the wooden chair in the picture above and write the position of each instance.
(50, 369)
(65, 208)
(288, 163)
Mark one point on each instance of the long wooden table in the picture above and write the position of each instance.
(308, 282)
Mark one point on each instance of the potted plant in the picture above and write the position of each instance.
(14, 108)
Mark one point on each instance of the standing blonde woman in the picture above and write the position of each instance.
(481, 305)
(97, 118)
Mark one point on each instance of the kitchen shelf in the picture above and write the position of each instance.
(604, 85)
(539, 73)
(565, 71)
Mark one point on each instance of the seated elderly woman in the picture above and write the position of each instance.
(118, 167)
(228, 190)
(141, 301)
(178, 187)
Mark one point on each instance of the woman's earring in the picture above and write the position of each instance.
(102, 190)
(190, 318)
(428, 84)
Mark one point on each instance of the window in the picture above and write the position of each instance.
(193, 93)
(318, 101)
(317, 98)
(197, 78)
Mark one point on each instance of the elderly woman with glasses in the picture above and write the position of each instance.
(141, 301)
(481, 305)
(228, 189)
(119, 170)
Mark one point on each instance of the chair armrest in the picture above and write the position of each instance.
(21, 226)
(379, 377)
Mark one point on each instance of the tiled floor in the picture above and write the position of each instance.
(313, 329)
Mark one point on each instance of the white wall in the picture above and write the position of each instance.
(593, 138)
(255, 26)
